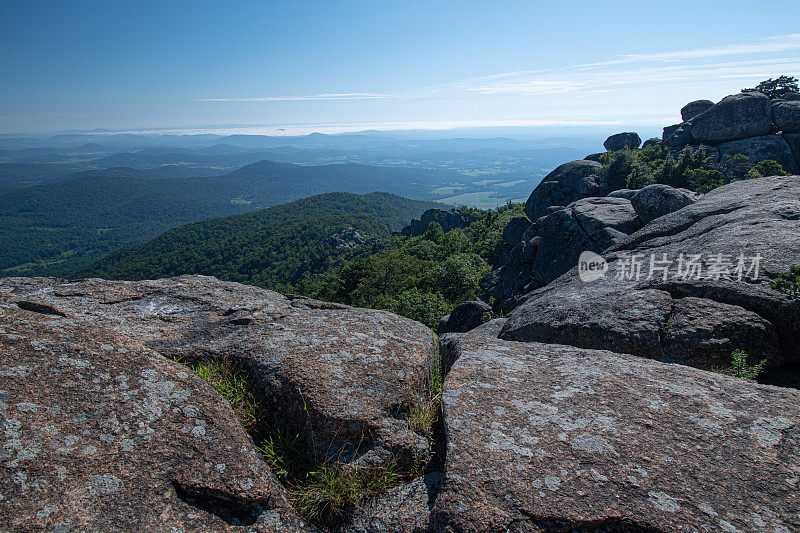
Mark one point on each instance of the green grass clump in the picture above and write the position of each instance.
(739, 367)
(285, 451)
(324, 493)
(788, 283)
(425, 406)
(332, 493)
(227, 379)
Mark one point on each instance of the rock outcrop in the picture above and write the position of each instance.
(448, 219)
(658, 200)
(588, 224)
(346, 371)
(466, 316)
(620, 141)
(100, 433)
(640, 314)
(567, 183)
(760, 148)
(554, 438)
(735, 117)
(692, 109)
(786, 115)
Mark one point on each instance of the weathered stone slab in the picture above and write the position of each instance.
(346, 371)
(555, 438)
(98, 433)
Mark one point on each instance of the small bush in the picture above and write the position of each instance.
(703, 181)
(788, 283)
(767, 167)
(739, 367)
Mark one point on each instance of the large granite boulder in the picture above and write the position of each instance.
(793, 140)
(100, 433)
(786, 115)
(567, 183)
(735, 117)
(653, 141)
(621, 141)
(466, 316)
(589, 224)
(657, 200)
(345, 371)
(760, 148)
(678, 135)
(512, 271)
(628, 312)
(555, 438)
(692, 109)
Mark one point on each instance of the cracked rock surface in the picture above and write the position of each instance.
(556, 438)
(348, 372)
(650, 317)
(99, 433)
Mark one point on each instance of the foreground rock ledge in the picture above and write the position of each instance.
(98, 433)
(553, 438)
(347, 372)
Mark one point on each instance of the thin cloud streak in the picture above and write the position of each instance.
(333, 96)
(782, 43)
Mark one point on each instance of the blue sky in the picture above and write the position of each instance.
(359, 65)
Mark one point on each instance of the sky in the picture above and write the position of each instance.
(302, 66)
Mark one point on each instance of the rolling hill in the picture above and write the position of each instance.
(61, 228)
(272, 247)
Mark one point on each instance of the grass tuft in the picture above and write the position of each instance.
(332, 493)
(229, 380)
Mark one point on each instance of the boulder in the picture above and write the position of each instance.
(678, 136)
(567, 183)
(403, 509)
(786, 115)
(703, 333)
(791, 97)
(793, 140)
(657, 200)
(343, 370)
(594, 157)
(555, 438)
(760, 148)
(692, 109)
(653, 141)
(623, 193)
(104, 434)
(589, 224)
(512, 271)
(620, 141)
(735, 117)
(627, 313)
(466, 316)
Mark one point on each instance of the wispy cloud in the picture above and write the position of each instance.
(782, 43)
(648, 88)
(573, 79)
(331, 96)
